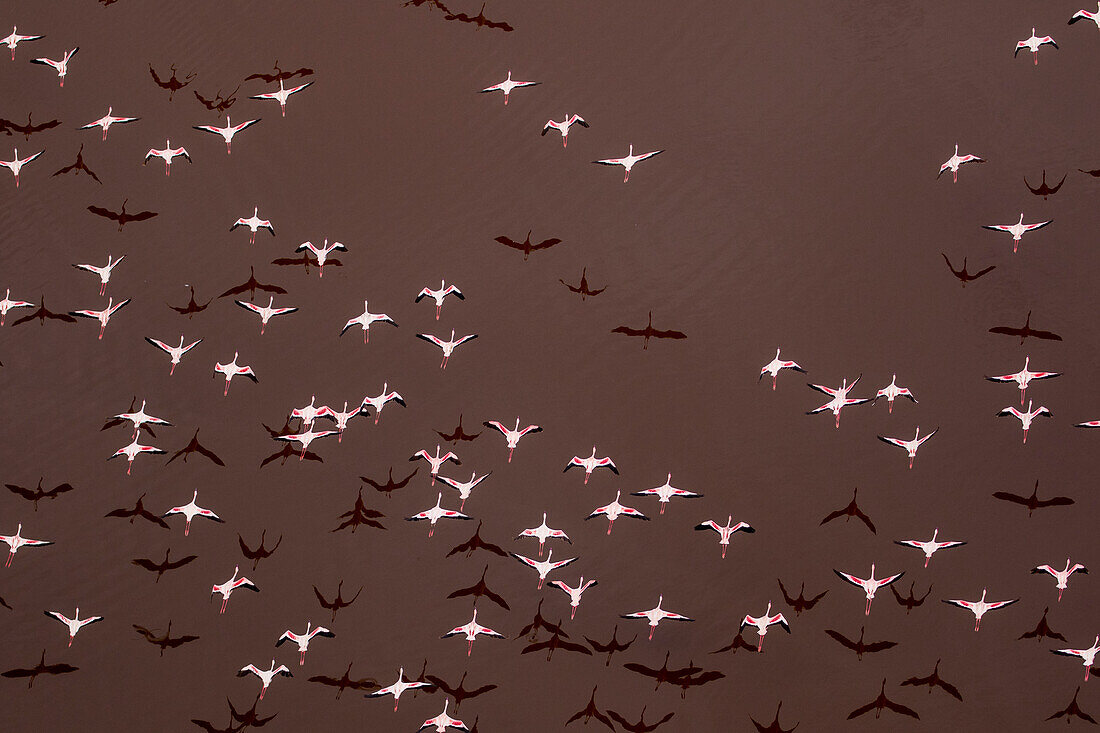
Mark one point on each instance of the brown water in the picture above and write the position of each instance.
(796, 205)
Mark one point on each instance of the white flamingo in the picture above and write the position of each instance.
(614, 510)
(436, 461)
(656, 615)
(773, 367)
(397, 688)
(107, 120)
(1025, 418)
(1032, 44)
(840, 398)
(1023, 378)
(439, 295)
(380, 401)
(955, 161)
(226, 589)
(762, 623)
(14, 39)
(1017, 230)
(17, 540)
(436, 513)
(233, 369)
(590, 464)
(448, 346)
(891, 392)
(507, 86)
(282, 95)
(1061, 576)
(226, 132)
(931, 546)
(103, 316)
(254, 224)
(464, 488)
(266, 313)
(7, 304)
(563, 127)
(321, 253)
(543, 567)
(724, 533)
(62, 66)
(629, 161)
(543, 533)
(910, 446)
(573, 593)
(365, 320)
(471, 631)
(176, 352)
(265, 675)
(979, 607)
(302, 640)
(512, 436)
(132, 451)
(16, 164)
(665, 492)
(1088, 656)
(103, 272)
(191, 510)
(167, 153)
(869, 585)
(139, 418)
(75, 623)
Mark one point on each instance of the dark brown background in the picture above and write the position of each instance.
(796, 205)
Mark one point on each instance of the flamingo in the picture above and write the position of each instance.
(132, 451)
(563, 127)
(439, 295)
(233, 369)
(1079, 15)
(1088, 656)
(191, 510)
(436, 513)
(464, 487)
(103, 316)
(507, 86)
(14, 40)
(955, 161)
(16, 164)
(512, 436)
(614, 510)
(629, 161)
(1025, 418)
(543, 567)
(590, 464)
(573, 593)
(543, 533)
(436, 461)
(62, 66)
(397, 688)
(341, 418)
(17, 540)
(979, 607)
(103, 272)
(665, 492)
(282, 95)
(7, 304)
(762, 623)
(107, 120)
(167, 154)
(305, 438)
(891, 392)
(310, 412)
(265, 675)
(75, 623)
(869, 585)
(910, 446)
(302, 640)
(471, 631)
(773, 367)
(1061, 576)
(449, 346)
(254, 224)
(365, 320)
(443, 721)
(226, 589)
(725, 532)
(139, 418)
(1024, 377)
(226, 132)
(266, 313)
(931, 546)
(380, 401)
(1032, 44)
(656, 615)
(176, 352)
(321, 253)
(1017, 230)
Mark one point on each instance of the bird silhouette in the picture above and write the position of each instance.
(287, 451)
(162, 567)
(774, 726)
(479, 20)
(852, 510)
(739, 642)
(649, 332)
(458, 434)
(249, 718)
(139, 510)
(910, 602)
(5, 604)
(1073, 710)
(641, 726)
(164, 642)
(219, 102)
(859, 647)
(526, 246)
(479, 589)
(251, 286)
(37, 494)
(1033, 502)
(195, 447)
(582, 287)
(1042, 630)
(122, 217)
(460, 692)
(933, 680)
(305, 261)
(280, 75)
(476, 543)
(1044, 190)
(209, 727)
(368, 684)
(1093, 173)
(173, 84)
(260, 552)
(43, 313)
(79, 167)
(338, 602)
(590, 711)
(612, 646)
(556, 641)
(430, 3)
(697, 679)
(10, 128)
(962, 274)
(801, 603)
(192, 306)
(662, 674)
(40, 668)
(881, 703)
(359, 514)
(390, 486)
(1025, 331)
(116, 421)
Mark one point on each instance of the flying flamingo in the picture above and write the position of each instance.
(464, 487)
(544, 567)
(543, 533)
(910, 446)
(725, 532)
(233, 369)
(226, 132)
(1032, 44)
(310, 412)
(614, 510)
(448, 347)
(470, 631)
(512, 436)
(397, 688)
(629, 161)
(103, 316)
(139, 418)
(1024, 377)
(166, 154)
(869, 585)
(131, 452)
(226, 589)
(62, 66)
(254, 224)
(656, 615)
(15, 541)
(436, 513)
(1017, 230)
(1079, 15)
(563, 127)
(75, 623)
(14, 39)
(891, 392)
(439, 295)
(190, 511)
(762, 623)
(1061, 576)
(955, 161)
(305, 439)
(265, 675)
(443, 721)
(17, 163)
(507, 86)
(573, 593)
(176, 352)
(106, 121)
(931, 546)
(840, 398)
(665, 492)
(1025, 418)
(321, 253)
(436, 461)
(380, 401)
(103, 272)
(365, 320)
(341, 418)
(7, 304)
(773, 367)
(282, 95)
(266, 313)
(979, 607)
(1088, 656)
(590, 464)
(302, 640)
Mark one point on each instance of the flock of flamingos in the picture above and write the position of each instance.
(306, 424)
